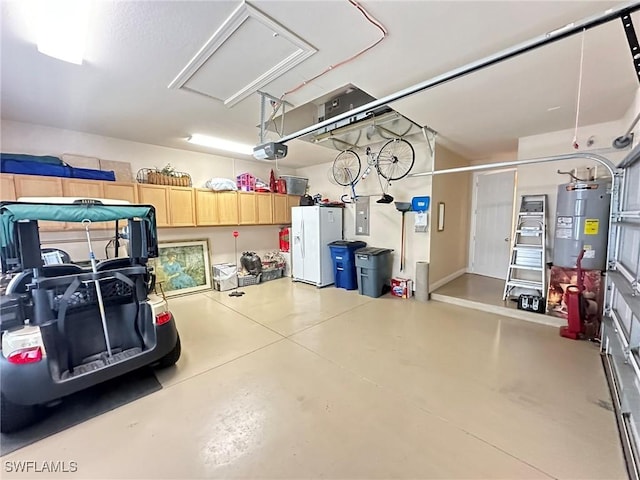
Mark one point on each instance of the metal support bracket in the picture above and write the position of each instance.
(426, 131)
(263, 121)
(632, 40)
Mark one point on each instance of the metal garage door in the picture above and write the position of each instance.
(621, 325)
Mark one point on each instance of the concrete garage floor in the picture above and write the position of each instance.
(294, 382)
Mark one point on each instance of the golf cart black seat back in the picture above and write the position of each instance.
(66, 327)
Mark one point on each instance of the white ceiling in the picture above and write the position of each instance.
(136, 49)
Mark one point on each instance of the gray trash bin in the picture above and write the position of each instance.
(374, 270)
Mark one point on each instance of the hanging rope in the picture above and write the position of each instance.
(575, 132)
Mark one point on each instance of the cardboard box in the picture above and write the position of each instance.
(122, 170)
(401, 287)
(225, 277)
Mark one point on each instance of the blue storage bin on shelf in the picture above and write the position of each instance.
(344, 265)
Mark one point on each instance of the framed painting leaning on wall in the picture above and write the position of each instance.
(183, 267)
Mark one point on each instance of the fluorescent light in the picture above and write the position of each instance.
(62, 27)
(220, 144)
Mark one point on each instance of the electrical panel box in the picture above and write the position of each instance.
(362, 216)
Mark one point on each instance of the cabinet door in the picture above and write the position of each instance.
(228, 208)
(292, 201)
(7, 188)
(120, 191)
(182, 211)
(156, 195)
(83, 189)
(264, 205)
(207, 208)
(281, 211)
(37, 186)
(247, 208)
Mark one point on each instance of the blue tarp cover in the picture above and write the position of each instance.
(10, 164)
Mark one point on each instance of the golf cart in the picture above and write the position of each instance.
(66, 327)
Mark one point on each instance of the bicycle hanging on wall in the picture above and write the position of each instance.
(393, 162)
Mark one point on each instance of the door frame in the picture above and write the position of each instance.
(474, 205)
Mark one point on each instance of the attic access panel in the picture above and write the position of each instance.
(248, 49)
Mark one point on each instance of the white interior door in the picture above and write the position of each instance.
(491, 241)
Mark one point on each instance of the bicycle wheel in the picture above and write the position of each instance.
(395, 159)
(346, 168)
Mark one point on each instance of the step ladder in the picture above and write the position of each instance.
(527, 264)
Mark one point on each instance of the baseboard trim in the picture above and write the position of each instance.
(443, 281)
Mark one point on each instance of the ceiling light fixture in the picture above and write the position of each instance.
(220, 144)
(62, 28)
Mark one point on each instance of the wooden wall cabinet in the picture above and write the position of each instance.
(228, 208)
(207, 213)
(182, 212)
(264, 206)
(247, 208)
(7, 187)
(158, 196)
(36, 186)
(281, 210)
(120, 191)
(175, 206)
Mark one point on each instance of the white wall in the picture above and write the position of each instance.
(386, 221)
(32, 139)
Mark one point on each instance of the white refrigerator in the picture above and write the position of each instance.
(312, 229)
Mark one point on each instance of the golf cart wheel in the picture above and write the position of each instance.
(172, 357)
(395, 159)
(15, 417)
(346, 168)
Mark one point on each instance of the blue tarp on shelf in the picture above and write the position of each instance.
(49, 166)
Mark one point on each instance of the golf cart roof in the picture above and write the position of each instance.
(73, 210)
(70, 210)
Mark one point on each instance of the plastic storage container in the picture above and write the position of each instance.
(270, 274)
(246, 280)
(374, 270)
(295, 185)
(246, 182)
(344, 266)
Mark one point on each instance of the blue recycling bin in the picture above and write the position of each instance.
(344, 265)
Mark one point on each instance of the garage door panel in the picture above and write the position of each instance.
(631, 190)
(630, 249)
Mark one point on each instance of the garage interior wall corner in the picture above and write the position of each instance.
(450, 247)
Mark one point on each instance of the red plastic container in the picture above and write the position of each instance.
(284, 239)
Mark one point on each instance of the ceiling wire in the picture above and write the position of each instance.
(372, 20)
(575, 131)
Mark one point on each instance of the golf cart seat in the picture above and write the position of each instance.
(113, 264)
(66, 258)
(18, 284)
